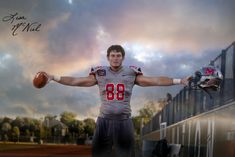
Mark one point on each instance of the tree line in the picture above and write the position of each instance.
(66, 128)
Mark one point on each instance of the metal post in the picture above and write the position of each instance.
(234, 69)
(223, 63)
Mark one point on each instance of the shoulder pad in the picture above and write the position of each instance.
(136, 69)
(95, 69)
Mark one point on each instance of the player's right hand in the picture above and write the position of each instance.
(50, 77)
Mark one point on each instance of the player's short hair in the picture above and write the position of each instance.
(117, 48)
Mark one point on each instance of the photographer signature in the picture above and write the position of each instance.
(20, 23)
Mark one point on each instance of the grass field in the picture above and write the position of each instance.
(35, 150)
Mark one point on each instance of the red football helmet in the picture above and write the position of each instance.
(209, 77)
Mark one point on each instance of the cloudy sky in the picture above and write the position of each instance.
(68, 37)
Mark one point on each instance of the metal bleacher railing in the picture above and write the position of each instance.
(188, 102)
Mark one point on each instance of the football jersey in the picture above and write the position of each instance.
(115, 88)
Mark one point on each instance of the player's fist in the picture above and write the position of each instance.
(185, 81)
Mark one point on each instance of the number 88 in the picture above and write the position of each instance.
(110, 94)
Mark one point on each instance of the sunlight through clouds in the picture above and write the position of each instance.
(144, 54)
(3, 59)
(70, 1)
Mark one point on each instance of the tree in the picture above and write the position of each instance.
(67, 117)
(6, 127)
(89, 127)
(5, 137)
(26, 126)
(148, 111)
(33, 126)
(77, 127)
(42, 132)
(162, 103)
(145, 114)
(18, 121)
(1, 120)
(6, 119)
(137, 124)
(16, 133)
(50, 117)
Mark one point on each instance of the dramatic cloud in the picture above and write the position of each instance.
(162, 37)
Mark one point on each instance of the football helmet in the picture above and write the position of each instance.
(209, 77)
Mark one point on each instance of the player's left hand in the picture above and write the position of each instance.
(185, 81)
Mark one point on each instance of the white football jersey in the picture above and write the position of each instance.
(115, 88)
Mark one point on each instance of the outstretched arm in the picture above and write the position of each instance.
(74, 81)
(145, 81)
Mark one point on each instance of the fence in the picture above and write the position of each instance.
(188, 102)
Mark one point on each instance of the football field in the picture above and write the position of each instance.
(35, 150)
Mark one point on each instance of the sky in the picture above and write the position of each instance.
(67, 37)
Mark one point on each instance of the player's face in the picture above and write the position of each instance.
(115, 59)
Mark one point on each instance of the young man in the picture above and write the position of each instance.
(114, 125)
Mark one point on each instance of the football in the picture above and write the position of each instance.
(40, 80)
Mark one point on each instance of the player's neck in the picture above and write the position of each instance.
(115, 68)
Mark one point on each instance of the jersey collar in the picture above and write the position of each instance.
(119, 70)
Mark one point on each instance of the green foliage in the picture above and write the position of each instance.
(50, 117)
(5, 137)
(15, 133)
(148, 111)
(6, 127)
(21, 128)
(67, 118)
(80, 128)
(19, 122)
(89, 127)
(42, 133)
(27, 132)
(137, 124)
(145, 114)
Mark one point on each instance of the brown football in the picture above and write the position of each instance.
(40, 79)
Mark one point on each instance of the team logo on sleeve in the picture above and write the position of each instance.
(136, 69)
(101, 72)
(133, 67)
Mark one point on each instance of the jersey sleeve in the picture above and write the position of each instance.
(93, 70)
(137, 70)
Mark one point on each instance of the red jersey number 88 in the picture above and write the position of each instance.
(111, 94)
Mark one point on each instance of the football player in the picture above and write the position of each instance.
(114, 125)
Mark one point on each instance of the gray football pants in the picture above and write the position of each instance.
(116, 134)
